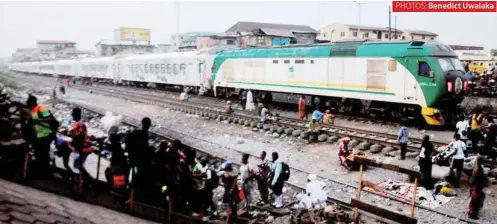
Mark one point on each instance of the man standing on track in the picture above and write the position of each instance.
(244, 99)
(490, 136)
(458, 159)
(403, 139)
(301, 109)
(277, 182)
(475, 133)
(264, 170)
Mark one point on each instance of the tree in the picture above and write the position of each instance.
(493, 52)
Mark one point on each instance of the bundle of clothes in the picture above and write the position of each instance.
(432, 199)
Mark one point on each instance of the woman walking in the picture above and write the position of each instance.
(477, 181)
(425, 163)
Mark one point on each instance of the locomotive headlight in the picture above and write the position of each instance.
(458, 85)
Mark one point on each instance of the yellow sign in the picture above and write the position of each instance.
(135, 34)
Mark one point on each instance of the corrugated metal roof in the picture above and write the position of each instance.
(421, 32)
(385, 29)
(243, 26)
(55, 42)
(355, 27)
(277, 32)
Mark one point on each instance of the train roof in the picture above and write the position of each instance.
(348, 48)
(162, 55)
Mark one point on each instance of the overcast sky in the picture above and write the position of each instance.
(22, 23)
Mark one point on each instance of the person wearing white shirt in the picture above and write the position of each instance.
(247, 174)
(457, 159)
(462, 127)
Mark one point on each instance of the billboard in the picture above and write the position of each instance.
(136, 34)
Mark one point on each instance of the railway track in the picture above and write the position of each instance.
(339, 192)
(384, 139)
(337, 188)
(296, 173)
(172, 92)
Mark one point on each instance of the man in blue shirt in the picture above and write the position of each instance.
(403, 139)
(276, 181)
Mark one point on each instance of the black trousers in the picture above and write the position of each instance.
(42, 155)
(425, 166)
(474, 137)
(263, 190)
(244, 102)
(403, 150)
(278, 188)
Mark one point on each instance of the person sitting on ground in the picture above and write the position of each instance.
(343, 153)
(318, 115)
(229, 110)
(314, 129)
(328, 117)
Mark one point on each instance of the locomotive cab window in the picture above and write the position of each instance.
(424, 69)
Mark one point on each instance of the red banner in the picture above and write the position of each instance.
(444, 6)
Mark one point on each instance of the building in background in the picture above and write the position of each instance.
(469, 50)
(338, 31)
(126, 41)
(105, 48)
(52, 49)
(217, 41)
(162, 48)
(26, 54)
(132, 35)
(271, 34)
(188, 41)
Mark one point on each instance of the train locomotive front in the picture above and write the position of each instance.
(418, 80)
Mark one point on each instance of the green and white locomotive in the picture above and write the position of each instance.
(390, 79)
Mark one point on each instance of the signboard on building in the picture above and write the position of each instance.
(134, 34)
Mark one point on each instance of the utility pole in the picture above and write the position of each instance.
(389, 22)
(359, 15)
(177, 25)
(395, 28)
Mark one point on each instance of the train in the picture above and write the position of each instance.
(403, 79)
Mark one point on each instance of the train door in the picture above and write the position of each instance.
(410, 83)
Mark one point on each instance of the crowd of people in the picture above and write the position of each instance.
(171, 172)
(484, 79)
(468, 134)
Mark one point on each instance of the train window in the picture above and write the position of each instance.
(312, 61)
(275, 61)
(299, 61)
(392, 65)
(424, 69)
(286, 61)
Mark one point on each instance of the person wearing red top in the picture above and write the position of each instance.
(80, 143)
(343, 152)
